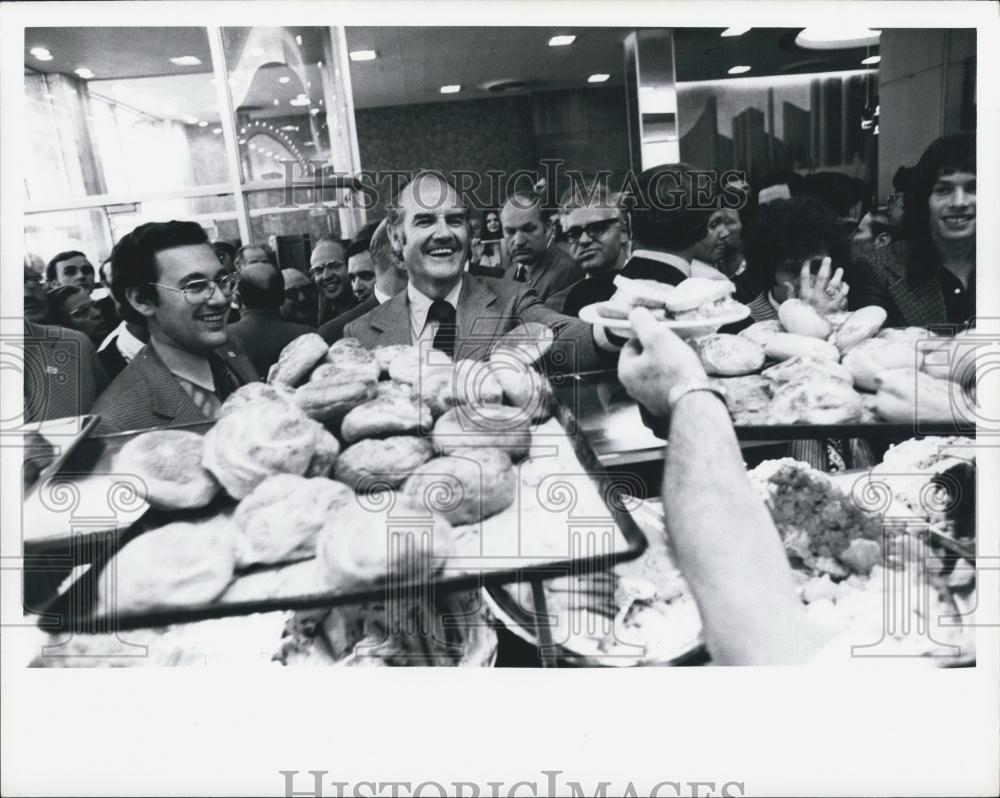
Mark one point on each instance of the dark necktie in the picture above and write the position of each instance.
(521, 275)
(444, 314)
(223, 379)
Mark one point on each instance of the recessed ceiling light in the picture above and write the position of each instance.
(298, 101)
(734, 32)
(185, 60)
(452, 88)
(363, 55)
(872, 59)
(738, 70)
(277, 101)
(191, 120)
(217, 131)
(284, 79)
(837, 38)
(203, 123)
(600, 77)
(41, 53)
(561, 41)
(314, 111)
(84, 72)
(298, 39)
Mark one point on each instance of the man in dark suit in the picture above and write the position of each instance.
(261, 332)
(167, 276)
(390, 279)
(447, 309)
(328, 269)
(535, 259)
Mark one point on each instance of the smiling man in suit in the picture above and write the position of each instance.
(446, 308)
(166, 276)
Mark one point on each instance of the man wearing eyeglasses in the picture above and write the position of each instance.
(592, 222)
(328, 269)
(166, 276)
(300, 305)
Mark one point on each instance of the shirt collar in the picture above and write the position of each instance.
(186, 365)
(420, 303)
(381, 297)
(774, 302)
(664, 257)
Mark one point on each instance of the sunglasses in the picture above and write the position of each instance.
(594, 230)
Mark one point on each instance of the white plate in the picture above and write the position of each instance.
(686, 328)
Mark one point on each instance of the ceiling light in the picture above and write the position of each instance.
(363, 55)
(190, 120)
(836, 38)
(298, 39)
(561, 41)
(217, 131)
(243, 141)
(284, 79)
(451, 88)
(277, 101)
(319, 64)
(290, 128)
(41, 53)
(203, 123)
(734, 32)
(738, 70)
(185, 60)
(600, 77)
(84, 72)
(253, 147)
(298, 101)
(314, 111)
(870, 60)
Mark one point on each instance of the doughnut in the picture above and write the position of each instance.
(297, 360)
(169, 463)
(466, 487)
(499, 426)
(371, 464)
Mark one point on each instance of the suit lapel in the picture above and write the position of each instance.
(391, 320)
(167, 399)
(238, 362)
(920, 304)
(475, 323)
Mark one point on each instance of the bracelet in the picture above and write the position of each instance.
(683, 388)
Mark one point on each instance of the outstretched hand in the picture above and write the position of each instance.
(825, 293)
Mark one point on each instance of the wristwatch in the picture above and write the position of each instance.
(689, 386)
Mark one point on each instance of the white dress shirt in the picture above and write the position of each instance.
(380, 297)
(422, 330)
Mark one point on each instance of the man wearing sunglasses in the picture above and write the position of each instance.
(592, 222)
(328, 269)
(166, 276)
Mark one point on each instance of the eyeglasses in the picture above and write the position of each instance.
(198, 291)
(330, 265)
(365, 276)
(594, 230)
(300, 292)
(83, 311)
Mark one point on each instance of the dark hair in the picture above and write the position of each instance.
(58, 296)
(133, 260)
(499, 234)
(944, 156)
(901, 178)
(793, 180)
(261, 288)
(327, 238)
(50, 269)
(666, 208)
(224, 246)
(841, 192)
(789, 230)
(880, 224)
(362, 241)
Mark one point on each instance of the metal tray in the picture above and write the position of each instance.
(74, 608)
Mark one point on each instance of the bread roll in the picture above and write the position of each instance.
(725, 355)
(908, 396)
(169, 464)
(821, 401)
(796, 369)
(497, 426)
(523, 387)
(410, 366)
(329, 399)
(395, 390)
(297, 360)
(783, 346)
(861, 324)
(761, 332)
(376, 464)
(282, 516)
(254, 393)
(327, 451)
(801, 318)
(384, 355)
(385, 416)
(252, 443)
(466, 487)
(471, 382)
(176, 565)
(346, 358)
(868, 360)
(747, 398)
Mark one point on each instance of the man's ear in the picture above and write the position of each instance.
(140, 299)
(397, 239)
(882, 240)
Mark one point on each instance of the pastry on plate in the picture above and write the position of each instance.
(725, 355)
(747, 398)
(169, 464)
(796, 369)
(820, 401)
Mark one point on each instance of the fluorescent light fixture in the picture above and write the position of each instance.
(561, 41)
(84, 72)
(837, 38)
(190, 120)
(185, 60)
(871, 60)
(290, 128)
(298, 101)
(600, 77)
(203, 123)
(41, 53)
(363, 55)
(451, 88)
(284, 79)
(733, 32)
(217, 131)
(739, 70)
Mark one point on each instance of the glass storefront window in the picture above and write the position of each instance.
(45, 234)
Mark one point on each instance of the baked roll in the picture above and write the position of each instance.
(329, 399)
(470, 382)
(297, 360)
(254, 393)
(523, 387)
(820, 401)
(498, 426)
(347, 357)
(870, 359)
(385, 416)
(176, 565)
(280, 519)
(376, 464)
(782, 346)
(253, 443)
(725, 355)
(859, 325)
(761, 332)
(465, 487)
(169, 464)
(384, 355)
(395, 390)
(796, 369)
(747, 398)
(409, 366)
(325, 456)
(801, 318)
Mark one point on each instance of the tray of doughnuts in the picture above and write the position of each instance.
(349, 476)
